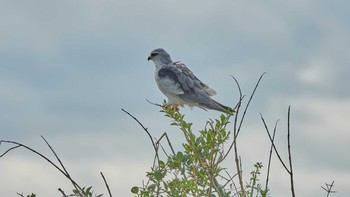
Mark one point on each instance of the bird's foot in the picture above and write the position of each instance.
(175, 107)
(172, 106)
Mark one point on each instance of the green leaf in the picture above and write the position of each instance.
(179, 156)
(88, 190)
(135, 190)
(161, 164)
(151, 187)
(158, 175)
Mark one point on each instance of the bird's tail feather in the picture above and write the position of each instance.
(214, 105)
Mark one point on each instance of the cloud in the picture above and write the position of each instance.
(317, 73)
(68, 67)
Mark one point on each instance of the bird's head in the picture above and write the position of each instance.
(160, 57)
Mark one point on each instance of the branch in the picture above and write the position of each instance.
(66, 172)
(62, 192)
(9, 150)
(156, 104)
(146, 130)
(239, 87)
(290, 156)
(270, 156)
(290, 170)
(250, 99)
(42, 156)
(273, 144)
(236, 130)
(168, 140)
(329, 188)
(107, 186)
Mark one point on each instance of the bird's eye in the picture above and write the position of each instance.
(154, 54)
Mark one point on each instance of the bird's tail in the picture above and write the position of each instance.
(214, 105)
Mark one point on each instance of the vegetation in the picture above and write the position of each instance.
(197, 169)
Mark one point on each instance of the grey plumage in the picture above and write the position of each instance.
(180, 85)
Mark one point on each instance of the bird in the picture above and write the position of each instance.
(178, 83)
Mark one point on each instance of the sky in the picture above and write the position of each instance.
(68, 67)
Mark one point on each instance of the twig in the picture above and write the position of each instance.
(234, 128)
(273, 144)
(229, 180)
(156, 104)
(168, 140)
(66, 172)
(236, 131)
(239, 87)
(329, 188)
(239, 168)
(290, 170)
(42, 156)
(62, 192)
(146, 130)
(107, 186)
(270, 156)
(290, 156)
(9, 150)
(250, 99)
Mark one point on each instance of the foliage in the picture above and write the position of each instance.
(196, 169)
(22, 195)
(254, 185)
(86, 192)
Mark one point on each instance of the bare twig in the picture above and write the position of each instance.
(107, 186)
(9, 150)
(250, 99)
(42, 156)
(270, 156)
(64, 169)
(156, 104)
(229, 180)
(168, 140)
(239, 168)
(234, 128)
(290, 170)
(236, 131)
(329, 188)
(290, 156)
(62, 192)
(20, 194)
(239, 87)
(273, 144)
(146, 130)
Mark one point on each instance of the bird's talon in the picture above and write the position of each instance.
(172, 106)
(175, 107)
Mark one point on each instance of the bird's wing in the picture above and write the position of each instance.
(198, 83)
(168, 81)
(177, 79)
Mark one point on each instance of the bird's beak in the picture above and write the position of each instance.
(149, 58)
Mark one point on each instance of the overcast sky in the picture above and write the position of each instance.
(68, 67)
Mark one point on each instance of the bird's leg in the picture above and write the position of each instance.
(172, 106)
